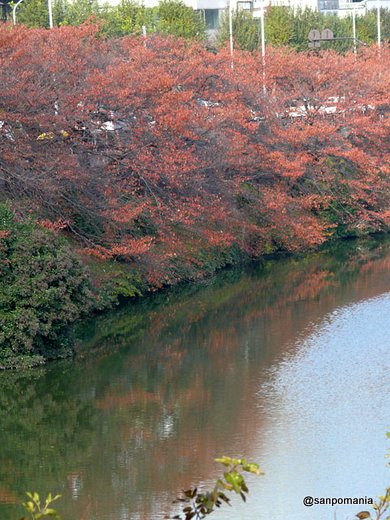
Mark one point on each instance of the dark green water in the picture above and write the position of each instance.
(286, 363)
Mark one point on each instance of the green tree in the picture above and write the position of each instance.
(367, 26)
(279, 27)
(33, 13)
(285, 26)
(246, 30)
(127, 18)
(174, 17)
(77, 12)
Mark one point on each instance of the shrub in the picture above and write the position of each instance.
(43, 288)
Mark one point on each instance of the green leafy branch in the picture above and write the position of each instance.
(197, 505)
(379, 508)
(37, 510)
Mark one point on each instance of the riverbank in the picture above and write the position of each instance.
(49, 280)
(295, 277)
(47, 287)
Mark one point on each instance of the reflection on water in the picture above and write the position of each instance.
(327, 409)
(285, 362)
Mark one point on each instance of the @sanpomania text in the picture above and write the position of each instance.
(333, 501)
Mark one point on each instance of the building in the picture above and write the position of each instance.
(212, 10)
(341, 8)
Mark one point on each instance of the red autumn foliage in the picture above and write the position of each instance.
(158, 150)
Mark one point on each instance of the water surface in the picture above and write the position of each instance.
(285, 362)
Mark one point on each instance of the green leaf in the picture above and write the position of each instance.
(234, 479)
(30, 506)
(252, 467)
(51, 512)
(226, 461)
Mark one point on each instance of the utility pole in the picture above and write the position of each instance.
(354, 30)
(262, 14)
(231, 31)
(50, 14)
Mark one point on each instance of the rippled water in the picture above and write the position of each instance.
(286, 363)
(326, 405)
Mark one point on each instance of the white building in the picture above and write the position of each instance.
(339, 7)
(212, 9)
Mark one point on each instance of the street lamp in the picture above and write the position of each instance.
(378, 20)
(14, 11)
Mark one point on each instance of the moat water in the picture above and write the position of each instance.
(285, 362)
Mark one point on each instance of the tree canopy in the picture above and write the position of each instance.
(155, 152)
